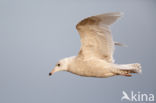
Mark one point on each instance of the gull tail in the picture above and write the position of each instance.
(126, 69)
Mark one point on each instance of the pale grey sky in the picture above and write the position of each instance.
(35, 34)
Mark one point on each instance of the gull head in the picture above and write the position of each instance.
(62, 65)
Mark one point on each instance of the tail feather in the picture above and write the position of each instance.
(125, 70)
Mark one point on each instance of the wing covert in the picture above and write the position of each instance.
(96, 38)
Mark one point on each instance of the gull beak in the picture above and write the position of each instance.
(52, 72)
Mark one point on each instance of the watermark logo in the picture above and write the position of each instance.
(137, 97)
(125, 96)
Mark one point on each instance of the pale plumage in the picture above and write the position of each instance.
(95, 58)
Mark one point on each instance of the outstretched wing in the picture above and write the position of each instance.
(96, 38)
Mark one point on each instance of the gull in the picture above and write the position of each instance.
(95, 58)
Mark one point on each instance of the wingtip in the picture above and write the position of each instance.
(115, 13)
(120, 44)
(121, 13)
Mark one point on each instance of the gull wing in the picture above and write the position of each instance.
(96, 38)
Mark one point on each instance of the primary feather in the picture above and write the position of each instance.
(96, 38)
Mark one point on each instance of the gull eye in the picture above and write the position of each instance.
(58, 64)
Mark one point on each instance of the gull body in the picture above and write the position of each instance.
(95, 58)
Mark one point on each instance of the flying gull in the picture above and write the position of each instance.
(95, 58)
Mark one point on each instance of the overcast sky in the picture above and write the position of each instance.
(35, 34)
